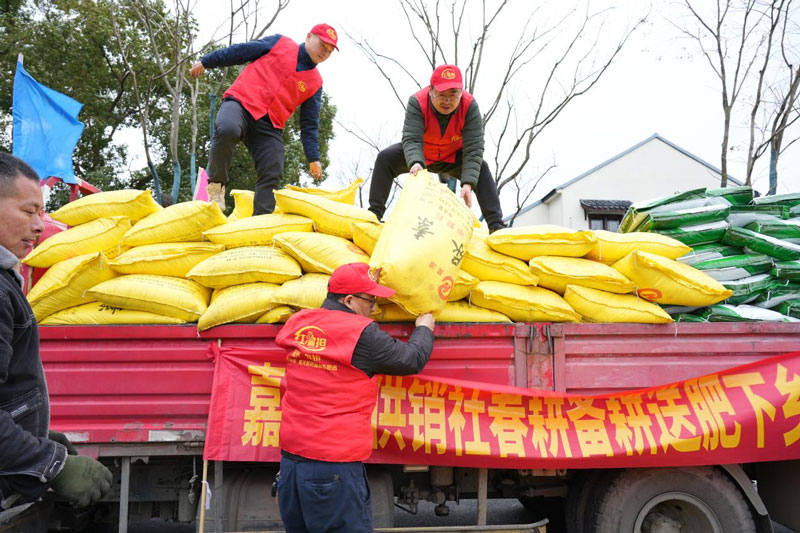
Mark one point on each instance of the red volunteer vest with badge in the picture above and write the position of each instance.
(328, 404)
(438, 147)
(271, 84)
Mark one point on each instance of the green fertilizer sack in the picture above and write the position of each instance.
(685, 317)
(780, 229)
(661, 220)
(779, 291)
(789, 200)
(707, 252)
(789, 308)
(637, 211)
(763, 244)
(744, 313)
(735, 195)
(786, 270)
(742, 215)
(697, 235)
(735, 266)
(746, 290)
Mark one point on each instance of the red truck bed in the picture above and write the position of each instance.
(150, 386)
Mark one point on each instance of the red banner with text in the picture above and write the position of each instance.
(744, 414)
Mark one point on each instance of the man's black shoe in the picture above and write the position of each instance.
(496, 226)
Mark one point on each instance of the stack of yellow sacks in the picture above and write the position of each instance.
(126, 260)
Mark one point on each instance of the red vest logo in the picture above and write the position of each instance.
(448, 74)
(455, 138)
(649, 294)
(301, 86)
(311, 338)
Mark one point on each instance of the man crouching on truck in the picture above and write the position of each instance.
(32, 459)
(333, 355)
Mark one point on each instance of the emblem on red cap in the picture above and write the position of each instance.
(331, 33)
(448, 74)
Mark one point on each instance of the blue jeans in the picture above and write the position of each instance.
(317, 497)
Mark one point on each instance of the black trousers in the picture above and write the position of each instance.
(265, 143)
(391, 162)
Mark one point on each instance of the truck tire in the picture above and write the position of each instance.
(685, 500)
(541, 507)
(585, 490)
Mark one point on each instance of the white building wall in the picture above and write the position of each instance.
(653, 170)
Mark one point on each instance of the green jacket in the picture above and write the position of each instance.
(472, 134)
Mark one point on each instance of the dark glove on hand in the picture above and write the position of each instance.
(83, 481)
(57, 436)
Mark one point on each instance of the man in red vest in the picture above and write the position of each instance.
(333, 357)
(443, 132)
(281, 75)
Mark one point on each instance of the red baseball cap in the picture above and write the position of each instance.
(447, 77)
(354, 278)
(326, 33)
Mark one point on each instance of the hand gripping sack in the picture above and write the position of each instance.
(329, 216)
(100, 235)
(527, 242)
(129, 203)
(259, 230)
(422, 244)
(183, 222)
(65, 284)
(669, 282)
(179, 298)
(600, 306)
(318, 252)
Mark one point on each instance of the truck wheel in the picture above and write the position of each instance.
(382, 496)
(541, 507)
(667, 500)
(585, 490)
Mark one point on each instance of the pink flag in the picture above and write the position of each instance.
(200, 192)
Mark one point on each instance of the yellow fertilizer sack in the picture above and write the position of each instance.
(129, 203)
(611, 247)
(523, 303)
(601, 306)
(248, 264)
(464, 283)
(170, 259)
(329, 216)
(527, 242)
(345, 196)
(318, 252)
(179, 298)
(96, 313)
(555, 273)
(422, 244)
(669, 282)
(65, 284)
(183, 222)
(242, 204)
(242, 304)
(275, 315)
(365, 236)
(258, 230)
(489, 265)
(307, 292)
(101, 235)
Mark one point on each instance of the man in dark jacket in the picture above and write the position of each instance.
(333, 357)
(280, 76)
(32, 459)
(443, 132)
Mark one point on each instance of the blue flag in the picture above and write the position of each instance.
(46, 127)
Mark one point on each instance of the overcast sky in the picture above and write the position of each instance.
(658, 84)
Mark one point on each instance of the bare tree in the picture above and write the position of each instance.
(555, 60)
